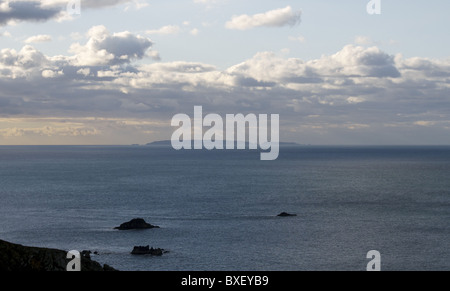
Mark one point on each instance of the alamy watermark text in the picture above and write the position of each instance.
(190, 135)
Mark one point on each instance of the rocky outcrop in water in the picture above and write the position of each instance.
(285, 214)
(14, 257)
(147, 251)
(137, 223)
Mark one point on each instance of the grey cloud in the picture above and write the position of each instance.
(250, 82)
(127, 45)
(26, 11)
(383, 72)
(431, 68)
(35, 11)
(379, 64)
(303, 80)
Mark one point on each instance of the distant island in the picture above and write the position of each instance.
(168, 143)
(160, 143)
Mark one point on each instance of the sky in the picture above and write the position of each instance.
(117, 72)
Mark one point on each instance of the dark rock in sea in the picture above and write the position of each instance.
(14, 257)
(137, 223)
(285, 214)
(147, 251)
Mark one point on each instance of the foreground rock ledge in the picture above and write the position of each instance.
(18, 258)
(137, 223)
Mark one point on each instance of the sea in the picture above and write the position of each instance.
(217, 210)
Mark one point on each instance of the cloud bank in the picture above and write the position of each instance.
(358, 90)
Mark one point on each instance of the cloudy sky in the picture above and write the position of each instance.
(120, 70)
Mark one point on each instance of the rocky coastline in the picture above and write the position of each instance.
(19, 258)
(15, 257)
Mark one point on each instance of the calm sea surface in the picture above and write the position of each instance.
(217, 210)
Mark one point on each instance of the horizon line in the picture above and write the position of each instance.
(292, 143)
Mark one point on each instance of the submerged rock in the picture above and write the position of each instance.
(137, 223)
(147, 251)
(285, 214)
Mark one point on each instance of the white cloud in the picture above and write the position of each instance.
(285, 51)
(154, 55)
(274, 18)
(299, 38)
(104, 48)
(137, 4)
(5, 34)
(76, 36)
(107, 74)
(51, 74)
(39, 38)
(355, 100)
(363, 40)
(101, 49)
(168, 29)
(4, 7)
(194, 32)
(23, 63)
(85, 72)
(358, 61)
